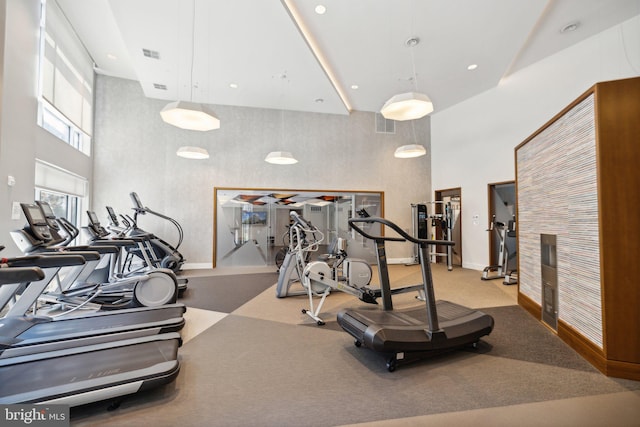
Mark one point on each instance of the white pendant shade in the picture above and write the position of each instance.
(193, 153)
(407, 106)
(280, 158)
(408, 151)
(189, 115)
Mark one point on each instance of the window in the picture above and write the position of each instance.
(66, 81)
(63, 205)
(65, 191)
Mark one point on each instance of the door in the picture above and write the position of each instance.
(454, 197)
(502, 204)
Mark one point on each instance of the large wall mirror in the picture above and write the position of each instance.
(251, 225)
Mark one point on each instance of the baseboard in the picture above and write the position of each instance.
(196, 265)
(585, 348)
(530, 306)
(471, 266)
(626, 370)
(401, 261)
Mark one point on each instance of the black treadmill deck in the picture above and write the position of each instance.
(406, 330)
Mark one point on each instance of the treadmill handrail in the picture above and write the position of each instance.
(401, 232)
(9, 275)
(46, 260)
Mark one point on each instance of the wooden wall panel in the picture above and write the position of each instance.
(557, 194)
(578, 177)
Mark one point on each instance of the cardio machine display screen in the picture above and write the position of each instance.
(93, 218)
(112, 215)
(137, 204)
(34, 215)
(46, 209)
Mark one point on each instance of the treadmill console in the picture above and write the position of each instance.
(37, 221)
(94, 225)
(112, 216)
(49, 215)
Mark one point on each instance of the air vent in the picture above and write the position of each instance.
(316, 209)
(159, 86)
(153, 54)
(384, 125)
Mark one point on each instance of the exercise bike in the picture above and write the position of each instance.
(501, 269)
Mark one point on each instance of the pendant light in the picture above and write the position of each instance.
(190, 115)
(195, 153)
(281, 157)
(410, 150)
(409, 105)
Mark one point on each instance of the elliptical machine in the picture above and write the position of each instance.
(164, 254)
(303, 241)
(501, 269)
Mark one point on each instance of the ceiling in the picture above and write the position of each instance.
(281, 54)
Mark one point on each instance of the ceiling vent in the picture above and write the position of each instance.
(153, 54)
(385, 125)
(159, 86)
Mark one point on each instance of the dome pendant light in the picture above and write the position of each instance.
(280, 158)
(409, 105)
(190, 115)
(196, 153)
(409, 151)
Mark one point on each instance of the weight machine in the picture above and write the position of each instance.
(501, 269)
(428, 218)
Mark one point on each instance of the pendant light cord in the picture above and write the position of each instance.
(193, 48)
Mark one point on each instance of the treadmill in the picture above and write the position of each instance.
(407, 335)
(23, 333)
(86, 372)
(154, 288)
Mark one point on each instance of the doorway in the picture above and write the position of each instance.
(502, 204)
(454, 197)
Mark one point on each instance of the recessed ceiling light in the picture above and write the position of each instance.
(472, 67)
(320, 9)
(572, 26)
(354, 87)
(233, 85)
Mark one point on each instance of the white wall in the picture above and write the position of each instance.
(21, 139)
(135, 151)
(473, 142)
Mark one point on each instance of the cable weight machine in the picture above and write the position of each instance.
(427, 219)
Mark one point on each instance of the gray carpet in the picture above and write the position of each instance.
(250, 372)
(225, 293)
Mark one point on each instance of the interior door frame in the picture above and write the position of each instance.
(438, 196)
(493, 258)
